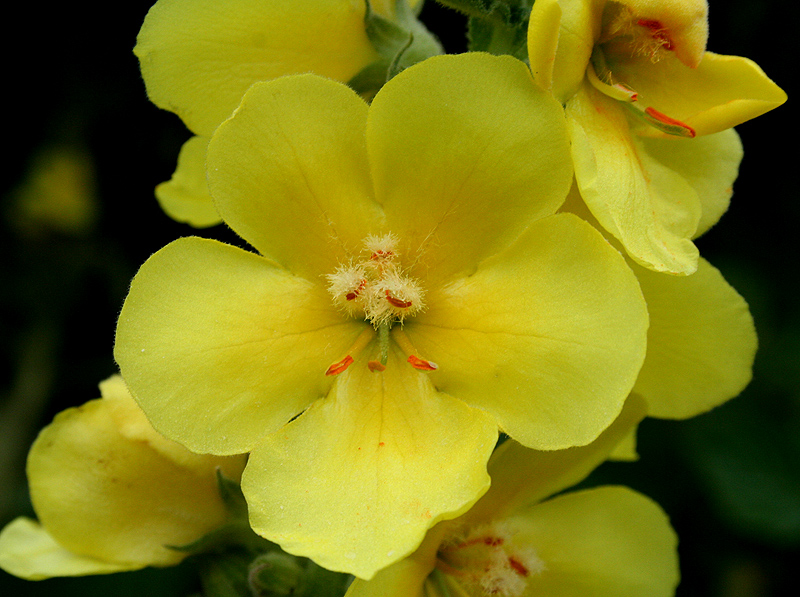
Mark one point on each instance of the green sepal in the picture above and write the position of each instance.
(496, 26)
(225, 575)
(276, 573)
(321, 582)
(511, 12)
(497, 37)
(471, 8)
(231, 493)
(400, 43)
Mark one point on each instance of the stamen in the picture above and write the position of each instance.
(662, 122)
(376, 366)
(487, 562)
(376, 286)
(396, 302)
(405, 345)
(518, 566)
(422, 364)
(617, 91)
(339, 366)
(657, 32)
(351, 296)
(667, 124)
(361, 342)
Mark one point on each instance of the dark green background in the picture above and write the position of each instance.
(730, 480)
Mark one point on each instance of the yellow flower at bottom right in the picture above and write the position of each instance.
(601, 542)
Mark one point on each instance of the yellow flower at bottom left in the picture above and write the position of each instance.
(112, 494)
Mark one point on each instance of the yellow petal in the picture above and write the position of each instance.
(651, 209)
(465, 151)
(185, 196)
(106, 485)
(548, 335)
(356, 481)
(220, 347)
(405, 578)
(685, 22)
(722, 92)
(198, 57)
(603, 542)
(28, 551)
(625, 450)
(709, 164)
(289, 173)
(543, 41)
(578, 27)
(700, 346)
(522, 477)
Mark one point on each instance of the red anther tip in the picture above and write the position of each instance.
(395, 302)
(376, 366)
(518, 566)
(422, 364)
(661, 117)
(351, 296)
(658, 31)
(340, 366)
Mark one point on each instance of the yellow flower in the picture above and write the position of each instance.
(650, 115)
(607, 541)
(409, 249)
(198, 57)
(111, 494)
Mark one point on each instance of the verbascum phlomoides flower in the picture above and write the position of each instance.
(515, 542)
(111, 494)
(650, 115)
(414, 292)
(198, 57)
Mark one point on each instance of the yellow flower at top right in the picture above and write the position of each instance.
(650, 115)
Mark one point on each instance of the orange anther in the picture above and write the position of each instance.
(632, 95)
(657, 32)
(518, 566)
(350, 296)
(671, 125)
(376, 366)
(396, 302)
(340, 366)
(422, 364)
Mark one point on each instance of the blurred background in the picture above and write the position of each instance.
(78, 217)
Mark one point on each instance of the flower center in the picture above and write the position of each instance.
(487, 561)
(626, 35)
(375, 287)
